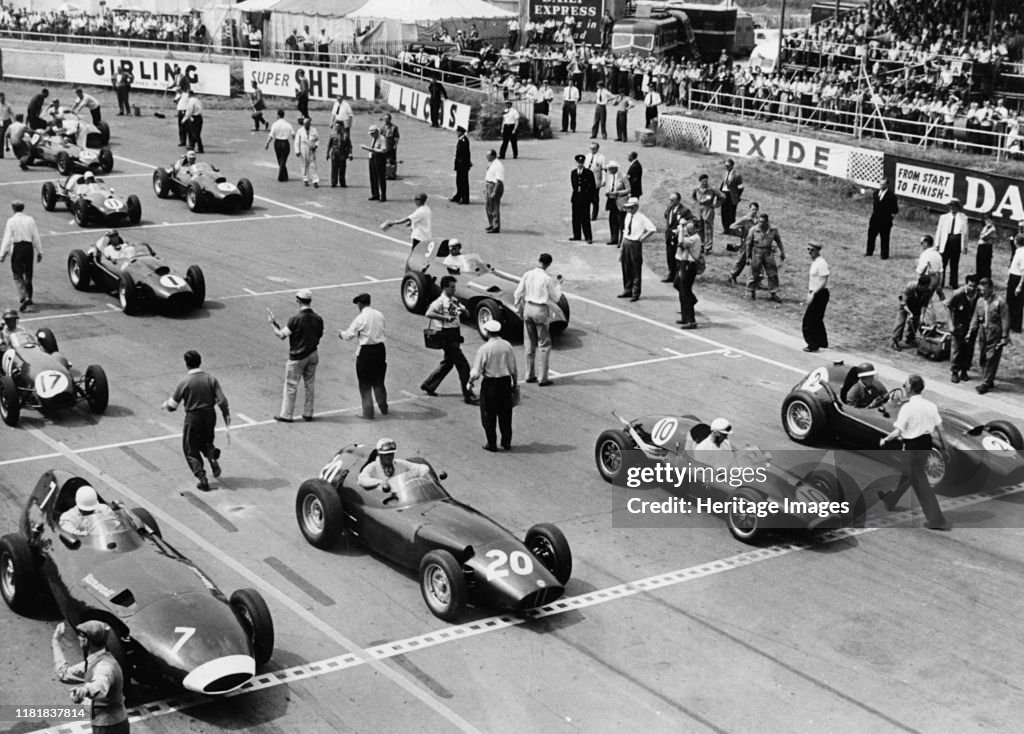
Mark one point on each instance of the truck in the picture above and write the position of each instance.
(685, 30)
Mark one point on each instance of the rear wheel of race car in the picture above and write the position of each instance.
(104, 130)
(609, 453)
(255, 617)
(547, 543)
(19, 579)
(245, 189)
(443, 585)
(47, 340)
(194, 197)
(96, 388)
(10, 401)
(487, 310)
(745, 526)
(81, 212)
(803, 418)
(64, 164)
(145, 518)
(557, 327)
(134, 209)
(127, 294)
(79, 270)
(49, 196)
(1007, 432)
(106, 160)
(161, 183)
(414, 293)
(319, 513)
(197, 282)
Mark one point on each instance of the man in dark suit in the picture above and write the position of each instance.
(883, 209)
(732, 192)
(635, 174)
(462, 166)
(437, 99)
(584, 189)
(675, 214)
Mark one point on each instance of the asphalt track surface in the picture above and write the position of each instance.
(884, 628)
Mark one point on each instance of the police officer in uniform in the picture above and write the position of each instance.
(584, 189)
(495, 364)
(371, 354)
(199, 392)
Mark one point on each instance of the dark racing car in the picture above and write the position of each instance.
(138, 276)
(460, 553)
(817, 411)
(203, 187)
(33, 374)
(486, 293)
(68, 151)
(91, 201)
(171, 620)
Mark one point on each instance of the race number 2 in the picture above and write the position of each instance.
(520, 563)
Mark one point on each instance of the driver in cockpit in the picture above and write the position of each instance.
(87, 179)
(87, 513)
(455, 259)
(10, 328)
(867, 390)
(379, 472)
(185, 163)
(113, 247)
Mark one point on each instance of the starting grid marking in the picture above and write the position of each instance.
(626, 365)
(454, 633)
(165, 225)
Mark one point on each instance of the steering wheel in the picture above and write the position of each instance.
(895, 395)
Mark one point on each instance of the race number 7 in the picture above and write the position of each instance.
(520, 563)
(186, 634)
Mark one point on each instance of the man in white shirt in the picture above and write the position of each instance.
(596, 164)
(21, 238)
(570, 98)
(1015, 285)
(817, 301)
(929, 263)
(652, 99)
(88, 102)
(494, 186)
(371, 355)
(718, 438)
(306, 141)
(421, 221)
(535, 291)
(194, 122)
(378, 473)
(601, 99)
(951, 239)
(635, 229)
(509, 131)
(281, 133)
(342, 112)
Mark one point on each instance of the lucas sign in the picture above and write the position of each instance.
(278, 80)
(416, 104)
(157, 74)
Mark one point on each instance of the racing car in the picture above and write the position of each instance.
(810, 494)
(460, 553)
(172, 622)
(138, 275)
(486, 293)
(91, 201)
(816, 411)
(63, 150)
(34, 374)
(203, 187)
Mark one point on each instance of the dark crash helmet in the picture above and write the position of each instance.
(10, 314)
(866, 369)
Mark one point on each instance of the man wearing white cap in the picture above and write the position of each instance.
(495, 363)
(378, 150)
(718, 439)
(379, 472)
(99, 676)
(87, 513)
(615, 197)
(635, 229)
(303, 332)
(867, 389)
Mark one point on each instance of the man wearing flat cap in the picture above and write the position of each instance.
(817, 301)
(990, 325)
(584, 189)
(951, 239)
(371, 355)
(636, 228)
(378, 150)
(303, 333)
(463, 163)
(495, 364)
(98, 677)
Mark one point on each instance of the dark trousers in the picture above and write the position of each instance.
(371, 368)
(600, 121)
(615, 220)
(339, 164)
(378, 177)
(97, 117)
(282, 149)
(194, 130)
(916, 452)
(989, 355)
(258, 119)
(1014, 302)
(123, 101)
(581, 217)
(951, 261)
(22, 261)
(879, 229)
(436, 108)
(686, 274)
(728, 212)
(632, 258)
(961, 349)
(302, 103)
(452, 357)
(496, 409)
(904, 330)
(671, 245)
(568, 116)
(3, 136)
(508, 135)
(650, 115)
(814, 320)
(197, 439)
(594, 202)
(462, 185)
(620, 126)
(182, 129)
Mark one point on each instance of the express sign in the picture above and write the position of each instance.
(587, 15)
(155, 74)
(278, 80)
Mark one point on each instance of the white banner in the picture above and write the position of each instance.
(414, 103)
(278, 80)
(924, 183)
(149, 73)
(788, 150)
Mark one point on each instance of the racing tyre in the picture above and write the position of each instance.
(161, 183)
(255, 617)
(104, 129)
(443, 585)
(49, 196)
(81, 212)
(19, 581)
(79, 270)
(196, 281)
(548, 545)
(194, 197)
(10, 401)
(96, 388)
(134, 209)
(1007, 432)
(803, 418)
(557, 327)
(609, 453)
(106, 160)
(64, 165)
(127, 294)
(245, 189)
(486, 310)
(145, 518)
(47, 340)
(414, 293)
(746, 527)
(319, 513)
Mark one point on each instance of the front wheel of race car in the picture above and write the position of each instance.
(81, 212)
(19, 578)
(134, 209)
(488, 309)
(194, 197)
(106, 160)
(319, 513)
(79, 270)
(65, 166)
(127, 294)
(96, 388)
(47, 340)
(197, 282)
(414, 293)
(104, 129)
(443, 585)
(742, 519)
(610, 454)
(548, 545)
(803, 418)
(1007, 432)
(255, 617)
(245, 189)
(147, 520)
(10, 401)
(49, 196)
(161, 183)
